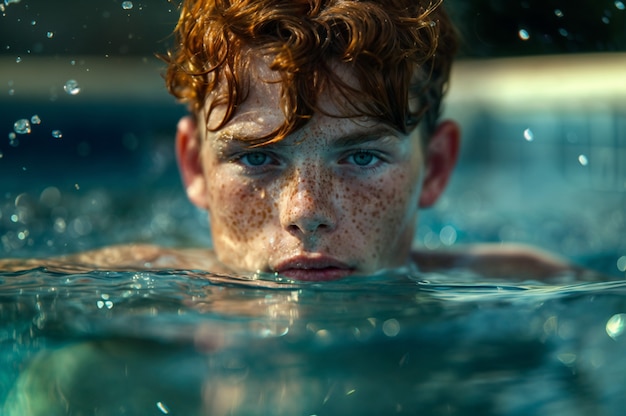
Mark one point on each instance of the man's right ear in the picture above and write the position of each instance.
(188, 152)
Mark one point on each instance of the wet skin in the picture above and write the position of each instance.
(338, 197)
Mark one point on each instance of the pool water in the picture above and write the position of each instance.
(192, 343)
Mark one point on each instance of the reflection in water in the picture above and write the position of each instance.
(179, 342)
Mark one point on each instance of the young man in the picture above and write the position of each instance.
(314, 139)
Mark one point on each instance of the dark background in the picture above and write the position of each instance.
(489, 27)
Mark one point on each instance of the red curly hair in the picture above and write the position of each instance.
(398, 50)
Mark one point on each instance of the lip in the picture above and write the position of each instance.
(314, 269)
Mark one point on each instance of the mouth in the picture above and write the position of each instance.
(314, 269)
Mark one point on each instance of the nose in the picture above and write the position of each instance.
(308, 205)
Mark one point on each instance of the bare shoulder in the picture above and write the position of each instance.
(502, 260)
(121, 257)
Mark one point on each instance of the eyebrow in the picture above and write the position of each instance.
(349, 140)
(362, 137)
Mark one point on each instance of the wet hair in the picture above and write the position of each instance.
(400, 52)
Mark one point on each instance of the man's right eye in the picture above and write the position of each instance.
(255, 159)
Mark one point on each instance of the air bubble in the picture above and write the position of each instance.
(50, 35)
(18, 59)
(529, 136)
(620, 5)
(558, 13)
(127, 5)
(35, 119)
(523, 34)
(57, 134)
(582, 159)
(22, 126)
(12, 136)
(71, 87)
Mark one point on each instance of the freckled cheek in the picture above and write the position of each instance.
(239, 212)
(378, 211)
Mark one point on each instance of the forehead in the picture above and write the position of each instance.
(262, 112)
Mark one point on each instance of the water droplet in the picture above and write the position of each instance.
(71, 87)
(50, 35)
(582, 159)
(127, 5)
(57, 134)
(523, 34)
(615, 325)
(391, 327)
(558, 13)
(163, 408)
(18, 59)
(529, 136)
(620, 5)
(22, 126)
(35, 119)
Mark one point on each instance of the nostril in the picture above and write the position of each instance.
(308, 225)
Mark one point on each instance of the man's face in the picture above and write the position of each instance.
(338, 197)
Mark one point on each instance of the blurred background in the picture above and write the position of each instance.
(86, 129)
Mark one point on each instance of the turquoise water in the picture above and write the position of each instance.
(191, 343)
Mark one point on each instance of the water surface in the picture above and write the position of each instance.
(186, 342)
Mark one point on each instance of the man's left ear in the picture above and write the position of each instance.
(440, 158)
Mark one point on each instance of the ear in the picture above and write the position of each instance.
(189, 161)
(441, 155)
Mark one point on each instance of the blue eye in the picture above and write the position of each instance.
(255, 159)
(363, 158)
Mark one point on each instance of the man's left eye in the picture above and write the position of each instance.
(362, 158)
